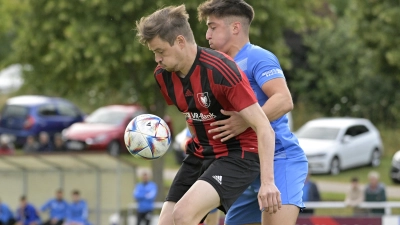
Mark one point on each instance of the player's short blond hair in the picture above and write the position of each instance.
(166, 23)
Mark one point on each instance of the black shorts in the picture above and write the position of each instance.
(229, 177)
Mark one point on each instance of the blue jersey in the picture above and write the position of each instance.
(261, 66)
(58, 208)
(77, 212)
(145, 195)
(27, 215)
(5, 213)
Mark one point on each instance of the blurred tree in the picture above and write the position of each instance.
(10, 17)
(353, 68)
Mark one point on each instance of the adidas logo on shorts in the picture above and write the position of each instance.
(218, 178)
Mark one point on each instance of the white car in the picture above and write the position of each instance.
(335, 144)
(395, 171)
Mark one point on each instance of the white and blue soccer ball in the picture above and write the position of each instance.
(147, 136)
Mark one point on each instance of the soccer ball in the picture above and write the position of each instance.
(147, 136)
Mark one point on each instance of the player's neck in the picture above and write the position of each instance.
(236, 46)
(188, 60)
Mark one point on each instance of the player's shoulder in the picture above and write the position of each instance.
(209, 56)
(256, 51)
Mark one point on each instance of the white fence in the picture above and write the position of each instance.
(387, 206)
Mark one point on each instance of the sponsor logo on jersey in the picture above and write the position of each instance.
(272, 72)
(203, 99)
(199, 116)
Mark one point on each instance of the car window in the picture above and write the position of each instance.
(15, 111)
(107, 116)
(47, 110)
(67, 110)
(356, 130)
(322, 133)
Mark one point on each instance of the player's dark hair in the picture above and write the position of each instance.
(23, 198)
(166, 23)
(75, 192)
(354, 179)
(225, 8)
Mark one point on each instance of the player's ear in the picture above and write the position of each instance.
(236, 26)
(181, 41)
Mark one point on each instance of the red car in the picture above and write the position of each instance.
(102, 130)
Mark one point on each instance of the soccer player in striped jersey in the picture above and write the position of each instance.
(228, 24)
(201, 82)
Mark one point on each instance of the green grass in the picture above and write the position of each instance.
(361, 173)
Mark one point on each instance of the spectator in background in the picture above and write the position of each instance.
(310, 194)
(57, 208)
(77, 213)
(31, 145)
(59, 144)
(45, 144)
(6, 145)
(354, 196)
(27, 213)
(6, 215)
(145, 194)
(375, 191)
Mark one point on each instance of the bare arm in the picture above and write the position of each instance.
(268, 196)
(278, 104)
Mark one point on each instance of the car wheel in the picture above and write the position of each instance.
(375, 158)
(335, 166)
(114, 148)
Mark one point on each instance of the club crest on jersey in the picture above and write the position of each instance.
(204, 100)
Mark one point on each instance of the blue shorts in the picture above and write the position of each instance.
(290, 175)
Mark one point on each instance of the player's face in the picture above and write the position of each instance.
(218, 34)
(167, 56)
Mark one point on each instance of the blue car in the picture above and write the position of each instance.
(27, 115)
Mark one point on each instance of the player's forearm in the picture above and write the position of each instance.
(266, 149)
(277, 106)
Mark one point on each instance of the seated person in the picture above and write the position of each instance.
(45, 144)
(77, 213)
(31, 145)
(6, 146)
(59, 144)
(57, 208)
(27, 213)
(6, 215)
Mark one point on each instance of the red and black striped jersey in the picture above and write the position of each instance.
(214, 82)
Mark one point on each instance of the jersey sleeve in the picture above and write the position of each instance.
(267, 69)
(161, 84)
(241, 95)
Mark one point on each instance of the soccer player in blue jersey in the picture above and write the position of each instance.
(57, 208)
(228, 24)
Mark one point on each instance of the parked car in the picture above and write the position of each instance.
(27, 115)
(395, 171)
(335, 144)
(102, 130)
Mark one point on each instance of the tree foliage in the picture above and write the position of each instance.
(353, 68)
(89, 47)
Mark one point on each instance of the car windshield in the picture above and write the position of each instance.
(322, 133)
(107, 116)
(15, 111)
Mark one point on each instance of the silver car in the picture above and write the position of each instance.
(335, 144)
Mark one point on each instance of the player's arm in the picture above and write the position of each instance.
(279, 98)
(268, 196)
(278, 104)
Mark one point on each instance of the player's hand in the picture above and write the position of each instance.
(230, 127)
(269, 198)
